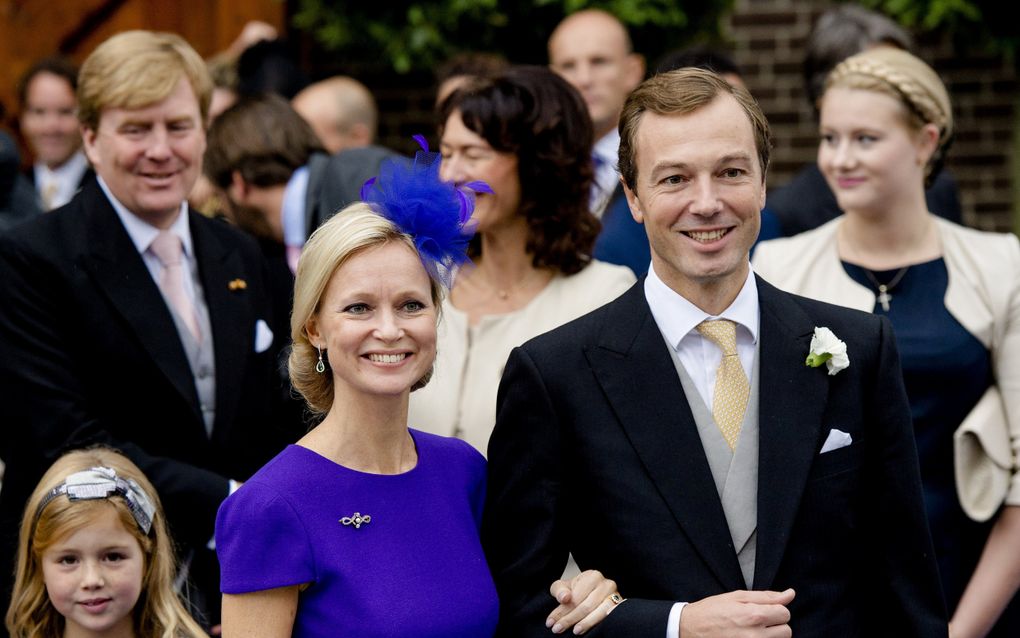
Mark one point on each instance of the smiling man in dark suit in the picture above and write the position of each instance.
(128, 320)
(676, 440)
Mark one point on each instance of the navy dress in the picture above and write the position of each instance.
(946, 370)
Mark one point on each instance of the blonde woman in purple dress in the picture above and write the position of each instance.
(366, 527)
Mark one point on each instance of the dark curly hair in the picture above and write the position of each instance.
(536, 115)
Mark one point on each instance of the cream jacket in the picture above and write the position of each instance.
(983, 295)
(460, 400)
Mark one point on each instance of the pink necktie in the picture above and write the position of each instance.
(167, 249)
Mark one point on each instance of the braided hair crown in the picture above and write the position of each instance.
(909, 77)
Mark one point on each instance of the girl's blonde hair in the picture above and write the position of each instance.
(158, 612)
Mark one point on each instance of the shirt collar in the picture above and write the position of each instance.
(74, 167)
(141, 232)
(608, 147)
(292, 213)
(677, 317)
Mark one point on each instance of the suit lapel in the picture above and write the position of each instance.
(220, 268)
(121, 274)
(793, 398)
(637, 375)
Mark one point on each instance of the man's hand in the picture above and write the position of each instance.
(738, 614)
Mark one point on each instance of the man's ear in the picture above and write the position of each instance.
(633, 202)
(635, 70)
(359, 134)
(88, 143)
(238, 189)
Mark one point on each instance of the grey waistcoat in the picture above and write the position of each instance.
(735, 471)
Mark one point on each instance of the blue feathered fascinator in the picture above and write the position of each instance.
(434, 213)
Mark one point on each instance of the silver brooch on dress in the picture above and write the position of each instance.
(357, 520)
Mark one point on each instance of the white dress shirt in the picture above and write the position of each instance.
(62, 180)
(607, 151)
(292, 210)
(143, 233)
(678, 319)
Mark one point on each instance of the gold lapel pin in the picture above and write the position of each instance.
(237, 284)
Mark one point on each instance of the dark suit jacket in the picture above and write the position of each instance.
(595, 452)
(89, 354)
(17, 197)
(334, 181)
(807, 202)
(622, 241)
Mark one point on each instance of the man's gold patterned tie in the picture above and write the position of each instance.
(49, 192)
(731, 385)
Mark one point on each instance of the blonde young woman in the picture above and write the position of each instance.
(953, 297)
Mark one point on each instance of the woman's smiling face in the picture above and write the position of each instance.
(468, 157)
(376, 322)
(868, 153)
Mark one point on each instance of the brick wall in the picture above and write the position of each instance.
(768, 38)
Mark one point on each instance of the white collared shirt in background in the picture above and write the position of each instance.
(606, 176)
(292, 209)
(62, 181)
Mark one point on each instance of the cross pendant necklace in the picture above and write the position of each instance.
(883, 297)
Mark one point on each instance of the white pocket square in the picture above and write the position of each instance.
(263, 336)
(836, 440)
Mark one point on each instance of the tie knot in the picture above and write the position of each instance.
(167, 248)
(721, 332)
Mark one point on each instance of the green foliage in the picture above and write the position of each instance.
(406, 35)
(982, 25)
(637, 13)
(928, 15)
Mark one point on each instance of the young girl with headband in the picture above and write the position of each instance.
(94, 556)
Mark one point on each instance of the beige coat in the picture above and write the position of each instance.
(460, 400)
(983, 295)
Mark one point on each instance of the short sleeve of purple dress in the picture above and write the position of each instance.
(413, 566)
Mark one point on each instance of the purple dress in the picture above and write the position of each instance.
(416, 569)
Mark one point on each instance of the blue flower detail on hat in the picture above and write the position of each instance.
(434, 213)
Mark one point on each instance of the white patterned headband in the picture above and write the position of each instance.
(103, 483)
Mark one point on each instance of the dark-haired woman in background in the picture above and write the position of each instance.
(527, 134)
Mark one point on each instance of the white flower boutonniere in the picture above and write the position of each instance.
(828, 349)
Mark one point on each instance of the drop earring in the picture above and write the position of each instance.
(320, 367)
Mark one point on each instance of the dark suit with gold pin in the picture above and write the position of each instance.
(89, 353)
